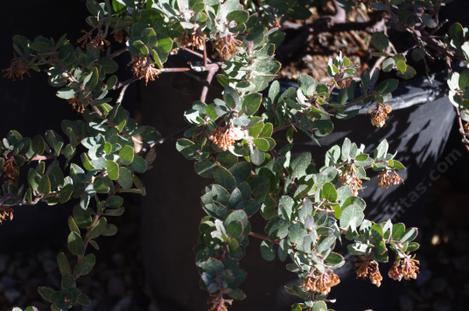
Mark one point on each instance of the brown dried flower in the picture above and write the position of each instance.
(406, 268)
(227, 46)
(389, 178)
(195, 40)
(10, 170)
(369, 269)
(77, 105)
(6, 213)
(225, 137)
(380, 114)
(99, 41)
(349, 177)
(144, 69)
(218, 303)
(17, 71)
(321, 282)
(119, 36)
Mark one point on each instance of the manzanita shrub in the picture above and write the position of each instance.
(243, 140)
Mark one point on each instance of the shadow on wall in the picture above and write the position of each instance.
(31, 107)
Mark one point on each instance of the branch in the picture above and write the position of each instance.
(262, 237)
(212, 70)
(42, 158)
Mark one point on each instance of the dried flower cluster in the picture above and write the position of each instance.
(195, 40)
(119, 36)
(227, 46)
(389, 178)
(143, 68)
(406, 268)
(380, 114)
(6, 213)
(321, 282)
(10, 169)
(225, 137)
(17, 71)
(348, 176)
(369, 269)
(218, 303)
(77, 105)
(98, 41)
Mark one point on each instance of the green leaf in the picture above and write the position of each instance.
(335, 260)
(274, 91)
(257, 157)
(456, 32)
(464, 79)
(205, 168)
(352, 216)
(55, 141)
(300, 164)
(267, 251)
(379, 40)
(224, 177)
(332, 156)
(398, 231)
(236, 223)
(114, 201)
(345, 151)
(140, 48)
(319, 306)
(126, 155)
(66, 93)
(382, 150)
(48, 294)
(285, 206)
(396, 165)
(125, 178)
(401, 63)
(44, 185)
(262, 144)
(112, 169)
(72, 225)
(251, 103)
(63, 264)
(86, 162)
(38, 144)
(75, 244)
(387, 86)
(328, 192)
(410, 235)
(186, 147)
(85, 265)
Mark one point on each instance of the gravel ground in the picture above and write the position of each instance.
(116, 284)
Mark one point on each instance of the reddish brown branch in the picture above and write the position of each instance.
(212, 70)
(262, 237)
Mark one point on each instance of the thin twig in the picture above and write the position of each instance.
(42, 158)
(262, 237)
(212, 70)
(199, 55)
(118, 52)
